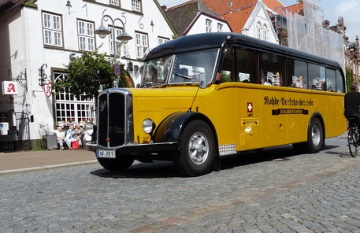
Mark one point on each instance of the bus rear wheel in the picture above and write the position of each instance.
(315, 138)
(197, 149)
(118, 164)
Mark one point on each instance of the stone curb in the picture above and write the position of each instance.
(48, 167)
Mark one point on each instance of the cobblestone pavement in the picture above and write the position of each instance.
(274, 191)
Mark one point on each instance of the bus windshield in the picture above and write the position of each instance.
(190, 67)
(156, 71)
(186, 68)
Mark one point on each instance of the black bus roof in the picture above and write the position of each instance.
(222, 39)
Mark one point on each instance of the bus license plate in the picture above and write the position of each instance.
(106, 154)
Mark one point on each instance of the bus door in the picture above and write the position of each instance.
(274, 119)
(249, 116)
(248, 99)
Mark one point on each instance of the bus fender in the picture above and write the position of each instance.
(317, 115)
(169, 130)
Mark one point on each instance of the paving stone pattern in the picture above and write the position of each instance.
(272, 191)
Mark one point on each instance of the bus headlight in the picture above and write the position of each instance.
(148, 126)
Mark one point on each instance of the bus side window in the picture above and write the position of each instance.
(298, 78)
(272, 69)
(316, 77)
(227, 66)
(330, 80)
(290, 72)
(339, 82)
(246, 65)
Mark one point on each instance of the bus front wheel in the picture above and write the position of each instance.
(197, 149)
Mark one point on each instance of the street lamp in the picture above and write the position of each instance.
(103, 32)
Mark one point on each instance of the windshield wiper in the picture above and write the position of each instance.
(151, 84)
(183, 76)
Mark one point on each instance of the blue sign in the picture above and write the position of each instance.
(117, 70)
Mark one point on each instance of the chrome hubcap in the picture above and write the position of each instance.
(315, 135)
(198, 148)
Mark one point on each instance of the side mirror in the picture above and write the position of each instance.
(202, 81)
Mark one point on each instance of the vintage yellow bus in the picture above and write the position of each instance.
(210, 95)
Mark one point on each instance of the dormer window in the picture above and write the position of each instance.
(219, 27)
(208, 25)
(136, 5)
(114, 2)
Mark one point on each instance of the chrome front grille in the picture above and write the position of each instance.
(115, 126)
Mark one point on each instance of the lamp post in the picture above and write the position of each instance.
(103, 32)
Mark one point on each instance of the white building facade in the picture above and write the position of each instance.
(194, 17)
(259, 25)
(40, 37)
(205, 23)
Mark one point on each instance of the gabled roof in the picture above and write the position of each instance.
(237, 12)
(224, 7)
(7, 4)
(182, 16)
(296, 8)
(161, 9)
(10, 5)
(238, 18)
(234, 11)
(200, 7)
(275, 5)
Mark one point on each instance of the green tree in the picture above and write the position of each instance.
(86, 73)
(349, 79)
(225, 77)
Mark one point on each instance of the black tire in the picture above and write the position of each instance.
(315, 139)
(315, 136)
(118, 164)
(352, 143)
(197, 149)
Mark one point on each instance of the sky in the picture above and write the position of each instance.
(332, 10)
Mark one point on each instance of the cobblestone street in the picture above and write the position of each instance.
(274, 191)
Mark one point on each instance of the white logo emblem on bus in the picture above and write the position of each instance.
(250, 107)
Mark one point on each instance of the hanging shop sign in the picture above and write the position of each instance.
(9, 88)
(47, 89)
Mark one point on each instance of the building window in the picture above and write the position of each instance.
(219, 27)
(265, 33)
(125, 50)
(208, 25)
(119, 46)
(162, 40)
(136, 5)
(118, 32)
(86, 35)
(114, 2)
(141, 44)
(69, 109)
(52, 29)
(258, 30)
